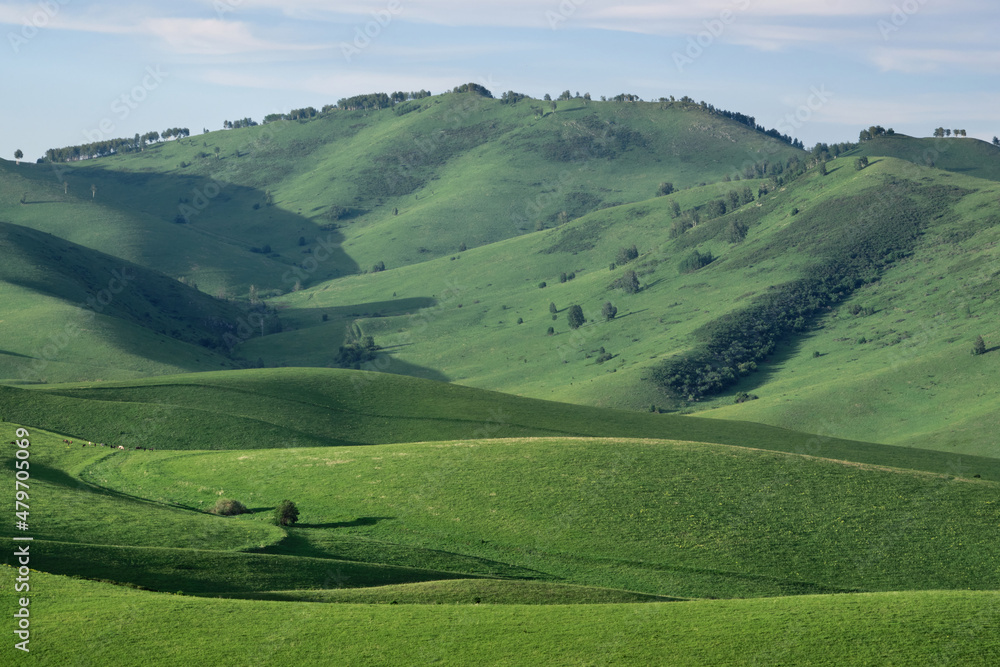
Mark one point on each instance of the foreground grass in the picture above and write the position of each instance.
(662, 517)
(124, 627)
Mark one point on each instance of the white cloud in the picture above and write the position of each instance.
(922, 61)
(212, 37)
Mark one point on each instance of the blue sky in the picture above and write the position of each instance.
(820, 70)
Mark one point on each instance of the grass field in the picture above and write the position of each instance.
(949, 627)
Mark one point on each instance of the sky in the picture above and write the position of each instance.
(77, 71)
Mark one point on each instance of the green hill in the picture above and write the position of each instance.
(971, 157)
(938, 230)
(70, 312)
(363, 187)
(300, 407)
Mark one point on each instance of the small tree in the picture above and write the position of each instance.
(575, 316)
(665, 189)
(552, 307)
(17, 156)
(378, 266)
(861, 163)
(286, 513)
(609, 311)
(979, 347)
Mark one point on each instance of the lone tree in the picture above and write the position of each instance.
(861, 163)
(17, 156)
(286, 513)
(979, 347)
(609, 311)
(552, 307)
(575, 316)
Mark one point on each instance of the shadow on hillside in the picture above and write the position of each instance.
(211, 209)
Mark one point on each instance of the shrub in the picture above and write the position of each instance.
(743, 397)
(626, 255)
(286, 513)
(378, 266)
(551, 331)
(609, 311)
(979, 347)
(228, 507)
(695, 261)
(541, 284)
(552, 307)
(665, 189)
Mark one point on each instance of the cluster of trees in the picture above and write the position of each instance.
(473, 88)
(178, 132)
(112, 146)
(510, 97)
(874, 132)
(628, 282)
(373, 101)
(823, 152)
(237, 124)
(749, 121)
(734, 344)
(357, 352)
(304, 113)
(944, 132)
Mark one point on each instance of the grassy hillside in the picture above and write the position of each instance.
(494, 315)
(661, 517)
(388, 186)
(953, 626)
(260, 409)
(962, 155)
(72, 313)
